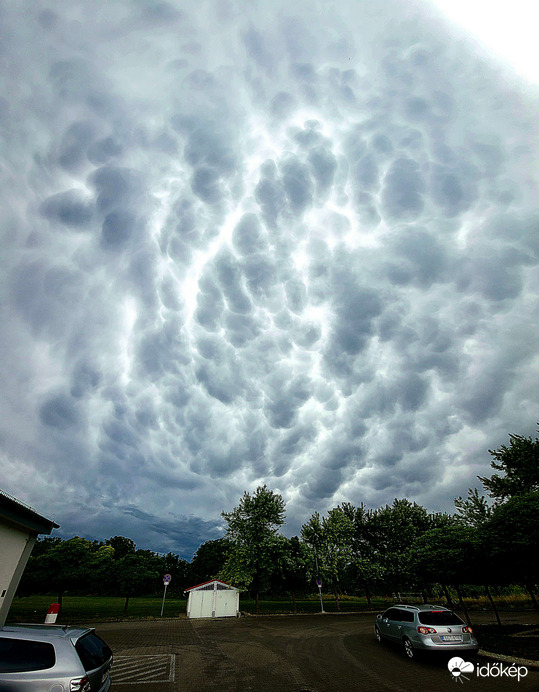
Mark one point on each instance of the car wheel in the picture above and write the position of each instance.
(377, 633)
(408, 648)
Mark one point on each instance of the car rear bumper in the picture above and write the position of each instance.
(427, 645)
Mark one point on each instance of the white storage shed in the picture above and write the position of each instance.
(213, 599)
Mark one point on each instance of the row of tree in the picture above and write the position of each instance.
(399, 547)
(353, 550)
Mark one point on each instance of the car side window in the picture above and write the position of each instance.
(21, 655)
(392, 614)
(93, 651)
(406, 616)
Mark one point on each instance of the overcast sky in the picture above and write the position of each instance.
(292, 243)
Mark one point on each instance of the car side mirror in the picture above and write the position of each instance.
(378, 617)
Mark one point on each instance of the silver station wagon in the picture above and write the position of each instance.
(41, 658)
(425, 628)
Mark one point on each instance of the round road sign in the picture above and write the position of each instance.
(166, 579)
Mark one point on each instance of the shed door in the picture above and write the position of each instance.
(225, 604)
(202, 604)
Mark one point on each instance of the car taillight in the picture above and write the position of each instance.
(426, 630)
(469, 630)
(80, 685)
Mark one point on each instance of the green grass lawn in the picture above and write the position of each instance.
(80, 609)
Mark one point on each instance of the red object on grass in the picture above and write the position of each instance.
(52, 613)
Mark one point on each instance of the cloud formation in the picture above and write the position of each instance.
(294, 246)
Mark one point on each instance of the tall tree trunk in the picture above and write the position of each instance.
(493, 605)
(368, 597)
(336, 599)
(462, 606)
(256, 603)
(126, 604)
(447, 595)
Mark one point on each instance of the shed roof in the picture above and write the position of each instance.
(19, 513)
(205, 584)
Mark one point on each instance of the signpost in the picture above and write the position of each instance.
(166, 582)
(319, 584)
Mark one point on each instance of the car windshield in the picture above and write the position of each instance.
(439, 617)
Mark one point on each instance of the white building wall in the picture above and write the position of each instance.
(15, 547)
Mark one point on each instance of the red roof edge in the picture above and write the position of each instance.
(210, 581)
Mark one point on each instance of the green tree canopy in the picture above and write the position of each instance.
(209, 560)
(519, 462)
(474, 511)
(511, 537)
(331, 540)
(252, 530)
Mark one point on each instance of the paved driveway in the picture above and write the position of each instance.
(319, 653)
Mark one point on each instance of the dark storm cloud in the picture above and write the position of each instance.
(270, 193)
(454, 188)
(84, 380)
(247, 245)
(297, 184)
(229, 276)
(355, 307)
(403, 190)
(417, 257)
(74, 145)
(118, 227)
(286, 399)
(70, 208)
(210, 304)
(59, 411)
(116, 187)
(324, 165)
(163, 351)
(247, 237)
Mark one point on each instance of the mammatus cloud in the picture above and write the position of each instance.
(248, 246)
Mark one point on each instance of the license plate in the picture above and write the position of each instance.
(451, 638)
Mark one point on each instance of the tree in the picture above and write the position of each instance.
(209, 560)
(520, 464)
(364, 570)
(294, 567)
(252, 530)
(122, 546)
(136, 574)
(474, 511)
(511, 537)
(392, 531)
(448, 555)
(331, 540)
(65, 565)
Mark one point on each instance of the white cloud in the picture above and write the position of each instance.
(296, 248)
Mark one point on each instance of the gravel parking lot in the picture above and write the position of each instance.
(319, 653)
